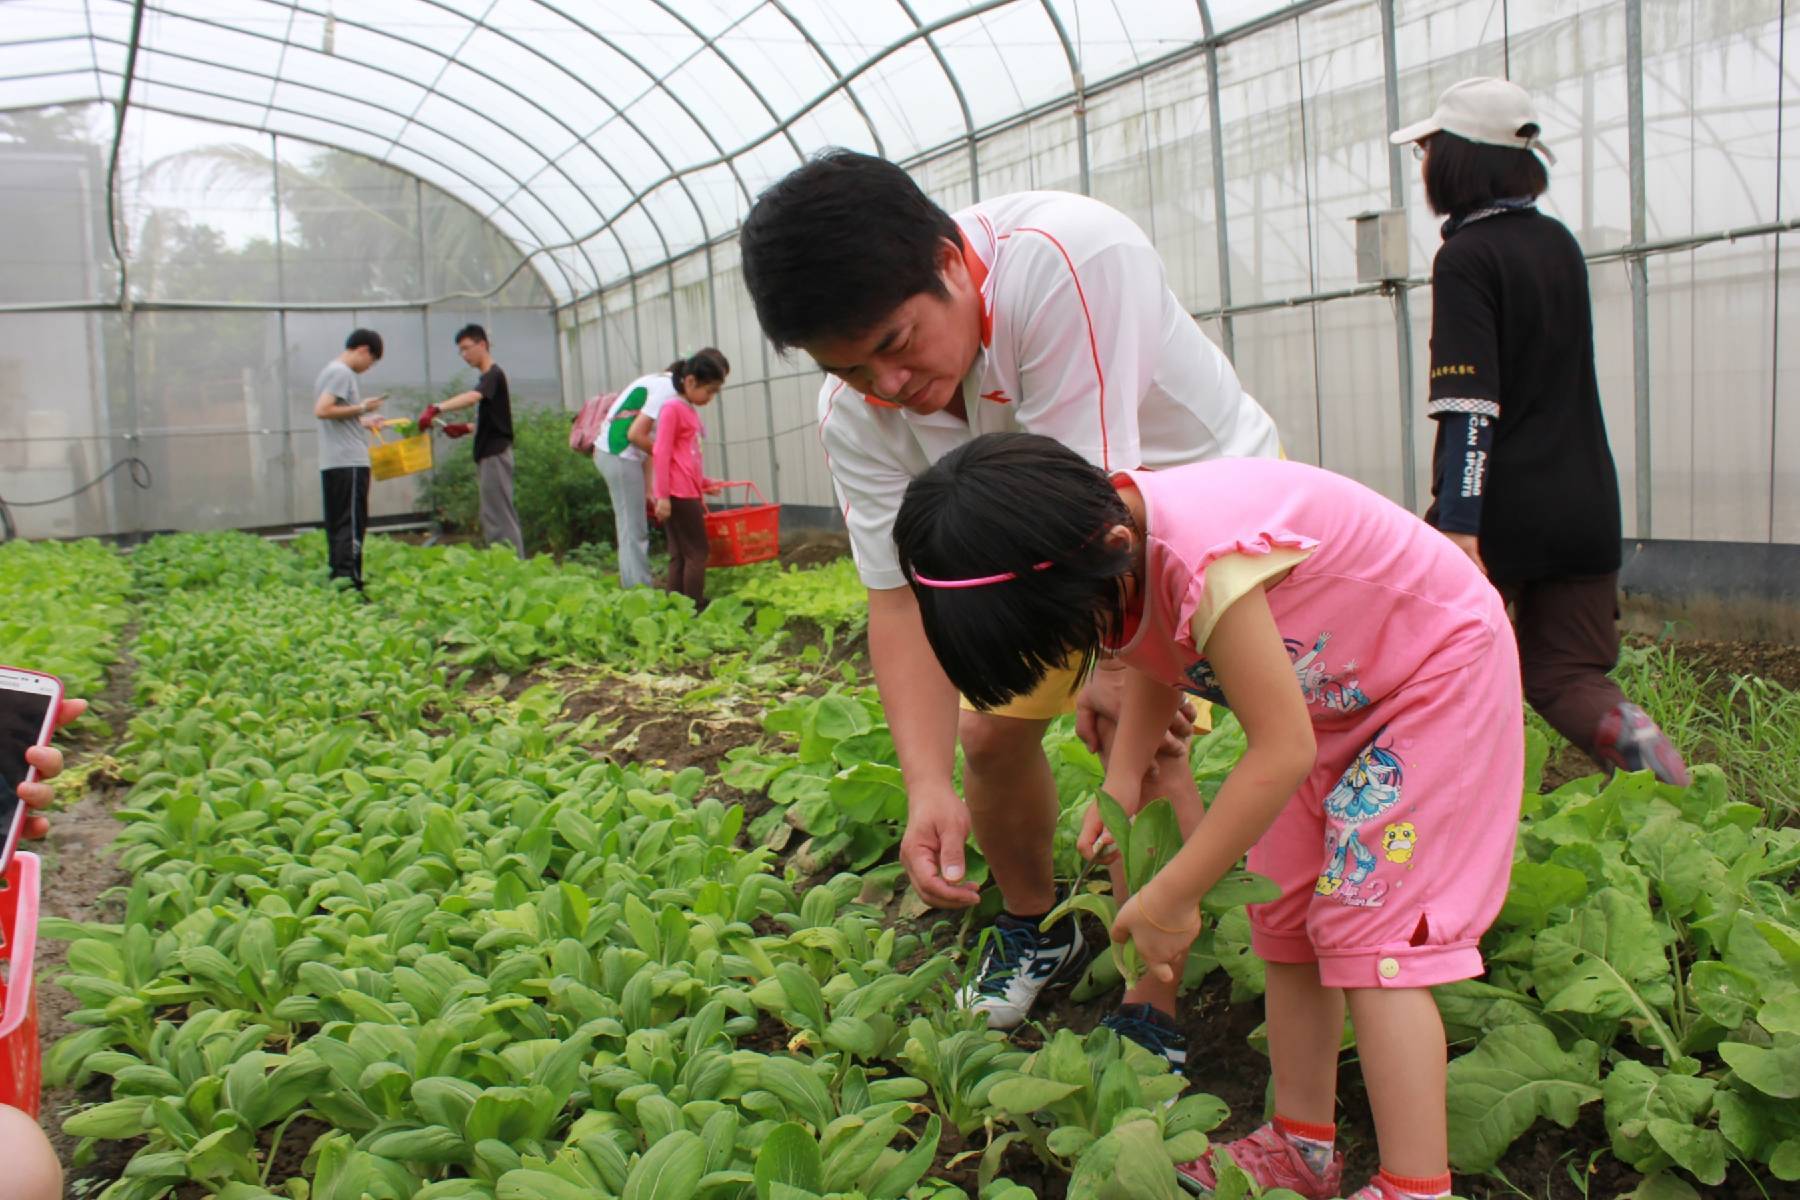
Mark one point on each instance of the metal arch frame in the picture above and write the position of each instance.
(451, 172)
(783, 127)
(813, 44)
(408, 120)
(208, 93)
(962, 99)
(1079, 95)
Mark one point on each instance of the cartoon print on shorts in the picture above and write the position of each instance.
(1339, 693)
(1399, 840)
(1368, 789)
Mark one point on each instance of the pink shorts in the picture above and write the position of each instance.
(1395, 854)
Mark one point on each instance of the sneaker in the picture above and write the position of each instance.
(1017, 965)
(1272, 1161)
(1628, 739)
(1152, 1029)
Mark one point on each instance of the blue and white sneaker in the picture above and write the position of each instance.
(1152, 1029)
(1018, 964)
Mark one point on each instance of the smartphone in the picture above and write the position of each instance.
(28, 704)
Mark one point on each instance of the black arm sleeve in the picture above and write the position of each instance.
(1465, 444)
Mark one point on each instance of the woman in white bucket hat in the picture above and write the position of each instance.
(1523, 483)
(1523, 477)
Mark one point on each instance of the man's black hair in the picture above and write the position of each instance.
(840, 243)
(1462, 176)
(471, 331)
(1007, 502)
(364, 337)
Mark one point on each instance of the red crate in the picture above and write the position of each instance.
(21, 1060)
(743, 535)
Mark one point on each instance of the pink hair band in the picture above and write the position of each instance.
(979, 581)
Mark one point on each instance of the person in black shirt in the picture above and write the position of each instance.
(1523, 477)
(493, 438)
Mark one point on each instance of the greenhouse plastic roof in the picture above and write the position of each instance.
(611, 136)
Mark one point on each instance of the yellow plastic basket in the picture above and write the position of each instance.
(390, 459)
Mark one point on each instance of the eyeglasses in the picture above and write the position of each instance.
(1418, 149)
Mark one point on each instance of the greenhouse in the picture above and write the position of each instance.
(505, 876)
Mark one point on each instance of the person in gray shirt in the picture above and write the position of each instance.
(344, 417)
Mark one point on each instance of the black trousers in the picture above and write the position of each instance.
(1568, 640)
(686, 530)
(346, 516)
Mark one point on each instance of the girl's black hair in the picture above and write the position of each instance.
(1006, 502)
(1462, 176)
(707, 365)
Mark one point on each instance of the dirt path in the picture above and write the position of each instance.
(79, 869)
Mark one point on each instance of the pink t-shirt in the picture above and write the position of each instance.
(1376, 599)
(678, 462)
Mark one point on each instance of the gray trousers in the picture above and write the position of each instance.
(625, 482)
(499, 519)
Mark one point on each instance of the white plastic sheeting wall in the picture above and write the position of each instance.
(1303, 119)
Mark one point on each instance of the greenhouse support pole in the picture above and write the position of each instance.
(281, 357)
(712, 324)
(1226, 332)
(762, 344)
(1638, 265)
(1403, 348)
(424, 282)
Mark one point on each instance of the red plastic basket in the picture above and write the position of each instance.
(743, 535)
(21, 1061)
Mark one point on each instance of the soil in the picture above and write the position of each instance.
(813, 548)
(1777, 662)
(78, 870)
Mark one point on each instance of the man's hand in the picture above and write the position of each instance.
(1097, 715)
(663, 509)
(1469, 544)
(428, 416)
(369, 423)
(932, 851)
(457, 429)
(49, 763)
(373, 404)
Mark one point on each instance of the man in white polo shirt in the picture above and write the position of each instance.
(1042, 311)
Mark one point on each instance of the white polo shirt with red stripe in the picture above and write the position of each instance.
(1082, 341)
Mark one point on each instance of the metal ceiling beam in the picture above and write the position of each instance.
(783, 127)
(295, 6)
(1080, 94)
(193, 89)
(118, 141)
(855, 101)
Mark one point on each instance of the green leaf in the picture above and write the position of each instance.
(1651, 1117)
(898, 1179)
(1538, 890)
(789, 1155)
(801, 1090)
(1725, 994)
(1515, 1075)
(1025, 1094)
(669, 1170)
(1773, 1071)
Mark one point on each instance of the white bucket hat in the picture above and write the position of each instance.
(1483, 109)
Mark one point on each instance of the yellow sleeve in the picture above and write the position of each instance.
(1230, 577)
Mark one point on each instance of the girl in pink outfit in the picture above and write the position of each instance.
(680, 479)
(1376, 678)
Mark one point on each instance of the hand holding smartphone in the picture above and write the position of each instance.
(29, 704)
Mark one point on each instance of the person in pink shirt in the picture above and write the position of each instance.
(680, 479)
(1377, 681)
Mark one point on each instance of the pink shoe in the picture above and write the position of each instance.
(1628, 739)
(1272, 1161)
